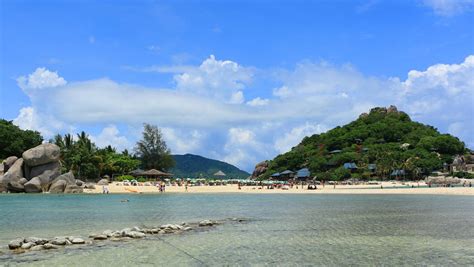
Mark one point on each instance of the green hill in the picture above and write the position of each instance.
(194, 166)
(385, 137)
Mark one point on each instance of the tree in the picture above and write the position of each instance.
(152, 149)
(14, 141)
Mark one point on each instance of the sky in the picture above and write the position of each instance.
(238, 81)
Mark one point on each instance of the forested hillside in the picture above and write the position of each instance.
(378, 143)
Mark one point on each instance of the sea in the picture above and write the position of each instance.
(277, 229)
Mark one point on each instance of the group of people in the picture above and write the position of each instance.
(162, 187)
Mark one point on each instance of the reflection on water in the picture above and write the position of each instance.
(284, 230)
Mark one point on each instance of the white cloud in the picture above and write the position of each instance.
(237, 98)
(181, 142)
(110, 135)
(41, 78)
(258, 102)
(294, 136)
(214, 78)
(449, 8)
(198, 115)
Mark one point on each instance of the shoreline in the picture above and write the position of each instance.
(388, 188)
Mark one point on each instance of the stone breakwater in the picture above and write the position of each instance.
(22, 245)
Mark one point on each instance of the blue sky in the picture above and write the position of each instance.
(240, 81)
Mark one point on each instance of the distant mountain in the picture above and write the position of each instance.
(194, 166)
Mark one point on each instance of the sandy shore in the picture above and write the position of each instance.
(388, 188)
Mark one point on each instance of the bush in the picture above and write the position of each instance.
(124, 177)
(141, 179)
(465, 175)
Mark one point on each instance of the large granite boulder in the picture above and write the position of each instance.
(42, 154)
(260, 168)
(42, 182)
(37, 170)
(65, 183)
(3, 187)
(8, 162)
(33, 186)
(58, 187)
(10, 180)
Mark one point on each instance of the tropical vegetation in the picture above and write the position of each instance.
(385, 140)
(13, 140)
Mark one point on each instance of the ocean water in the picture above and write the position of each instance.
(283, 230)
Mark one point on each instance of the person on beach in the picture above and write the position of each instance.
(186, 187)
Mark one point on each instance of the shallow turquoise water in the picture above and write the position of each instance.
(283, 230)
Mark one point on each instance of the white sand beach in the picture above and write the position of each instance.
(388, 188)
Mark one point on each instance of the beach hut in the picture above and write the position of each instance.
(275, 176)
(303, 174)
(285, 175)
(154, 173)
(398, 174)
(219, 173)
(350, 166)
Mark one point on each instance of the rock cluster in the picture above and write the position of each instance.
(260, 168)
(36, 244)
(38, 170)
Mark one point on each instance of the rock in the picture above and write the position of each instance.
(23, 181)
(79, 183)
(392, 109)
(363, 115)
(59, 241)
(73, 189)
(37, 248)
(188, 228)
(108, 233)
(116, 234)
(207, 223)
(134, 234)
(42, 182)
(8, 162)
(2, 168)
(260, 168)
(50, 246)
(27, 245)
(3, 185)
(33, 186)
(36, 240)
(137, 229)
(103, 182)
(16, 243)
(42, 154)
(40, 169)
(99, 237)
(58, 187)
(12, 177)
(77, 241)
(15, 186)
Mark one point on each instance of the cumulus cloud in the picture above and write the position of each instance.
(206, 113)
(110, 135)
(258, 102)
(214, 78)
(295, 135)
(449, 7)
(39, 79)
